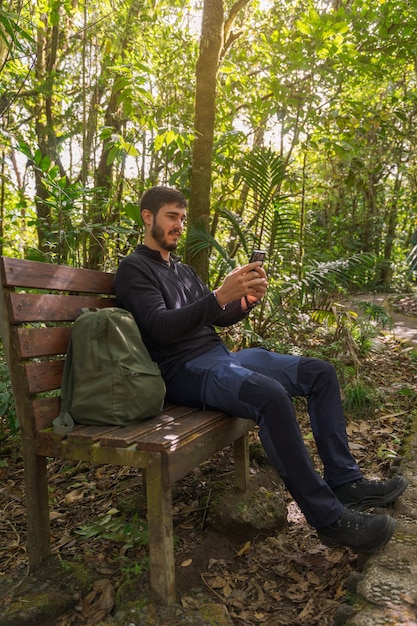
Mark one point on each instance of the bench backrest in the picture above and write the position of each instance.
(38, 304)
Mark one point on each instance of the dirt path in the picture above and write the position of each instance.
(404, 326)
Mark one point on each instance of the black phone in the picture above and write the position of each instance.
(257, 255)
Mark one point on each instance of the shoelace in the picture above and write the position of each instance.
(356, 521)
(366, 482)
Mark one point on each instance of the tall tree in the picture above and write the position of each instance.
(114, 120)
(216, 37)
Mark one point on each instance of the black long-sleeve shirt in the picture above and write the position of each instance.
(174, 310)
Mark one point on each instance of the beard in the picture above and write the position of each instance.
(158, 235)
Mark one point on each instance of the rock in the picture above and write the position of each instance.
(243, 516)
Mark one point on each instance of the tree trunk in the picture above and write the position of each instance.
(216, 37)
(45, 72)
(104, 176)
(385, 270)
(102, 187)
(205, 101)
(44, 219)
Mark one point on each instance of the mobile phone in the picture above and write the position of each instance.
(257, 255)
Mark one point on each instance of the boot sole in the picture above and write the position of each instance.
(372, 501)
(378, 542)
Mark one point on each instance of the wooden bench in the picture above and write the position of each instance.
(38, 303)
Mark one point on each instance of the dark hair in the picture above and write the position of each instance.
(155, 197)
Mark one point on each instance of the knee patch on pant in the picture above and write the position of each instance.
(264, 393)
(314, 373)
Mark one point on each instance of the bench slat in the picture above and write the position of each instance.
(35, 342)
(168, 435)
(43, 376)
(124, 436)
(37, 275)
(48, 307)
(164, 433)
(130, 434)
(224, 432)
(108, 435)
(50, 446)
(91, 434)
(44, 411)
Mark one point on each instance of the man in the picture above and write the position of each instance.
(176, 314)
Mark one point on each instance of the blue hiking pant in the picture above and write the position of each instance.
(259, 385)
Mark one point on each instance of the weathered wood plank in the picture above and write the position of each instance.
(43, 376)
(64, 448)
(161, 534)
(193, 452)
(44, 411)
(47, 307)
(178, 431)
(37, 275)
(91, 434)
(130, 434)
(36, 342)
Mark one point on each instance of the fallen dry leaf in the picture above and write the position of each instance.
(74, 496)
(245, 549)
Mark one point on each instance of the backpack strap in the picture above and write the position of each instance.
(63, 424)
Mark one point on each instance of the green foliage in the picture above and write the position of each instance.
(332, 277)
(353, 334)
(302, 289)
(385, 452)
(130, 533)
(377, 313)
(312, 155)
(359, 399)
(8, 419)
(270, 223)
(133, 570)
(14, 35)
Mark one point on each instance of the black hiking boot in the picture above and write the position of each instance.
(364, 493)
(363, 532)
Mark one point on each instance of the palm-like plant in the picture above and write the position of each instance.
(265, 217)
(261, 219)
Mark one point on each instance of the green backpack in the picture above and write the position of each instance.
(109, 377)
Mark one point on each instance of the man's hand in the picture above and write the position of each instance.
(249, 280)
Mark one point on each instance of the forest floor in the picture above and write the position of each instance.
(285, 579)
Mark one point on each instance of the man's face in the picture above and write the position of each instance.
(167, 226)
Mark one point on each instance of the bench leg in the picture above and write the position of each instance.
(161, 535)
(37, 509)
(241, 455)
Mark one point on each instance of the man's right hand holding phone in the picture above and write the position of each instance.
(247, 284)
(250, 300)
